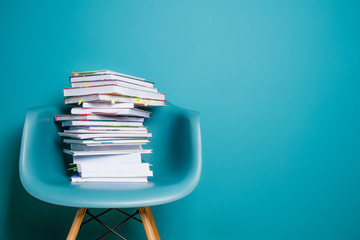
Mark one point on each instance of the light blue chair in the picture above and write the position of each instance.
(176, 160)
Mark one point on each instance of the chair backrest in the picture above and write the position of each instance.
(176, 145)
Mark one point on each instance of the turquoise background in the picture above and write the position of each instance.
(277, 85)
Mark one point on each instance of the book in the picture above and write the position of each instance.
(83, 147)
(110, 76)
(108, 159)
(132, 112)
(87, 105)
(76, 131)
(103, 72)
(78, 179)
(93, 117)
(109, 128)
(92, 169)
(104, 135)
(112, 89)
(101, 123)
(116, 174)
(115, 82)
(113, 98)
(108, 142)
(116, 167)
(112, 138)
(93, 153)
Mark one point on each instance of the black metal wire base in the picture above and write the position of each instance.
(111, 230)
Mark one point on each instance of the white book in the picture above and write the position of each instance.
(112, 89)
(82, 147)
(113, 77)
(86, 153)
(109, 128)
(104, 135)
(103, 72)
(116, 82)
(108, 105)
(117, 138)
(108, 142)
(112, 99)
(76, 131)
(93, 117)
(116, 174)
(78, 179)
(131, 158)
(118, 167)
(127, 111)
(101, 123)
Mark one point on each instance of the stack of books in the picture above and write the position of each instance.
(105, 135)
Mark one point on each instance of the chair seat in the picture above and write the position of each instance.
(110, 195)
(176, 162)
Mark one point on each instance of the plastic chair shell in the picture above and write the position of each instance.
(176, 161)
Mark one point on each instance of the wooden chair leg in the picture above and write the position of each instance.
(153, 222)
(149, 223)
(76, 224)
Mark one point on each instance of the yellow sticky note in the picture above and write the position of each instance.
(105, 83)
(137, 100)
(80, 102)
(145, 104)
(118, 99)
(112, 101)
(151, 101)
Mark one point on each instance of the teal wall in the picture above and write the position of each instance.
(277, 84)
